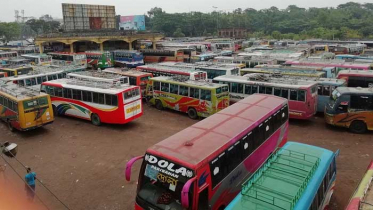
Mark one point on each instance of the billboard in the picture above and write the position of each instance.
(133, 22)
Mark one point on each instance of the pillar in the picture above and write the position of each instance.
(72, 47)
(41, 48)
(154, 45)
(130, 45)
(101, 46)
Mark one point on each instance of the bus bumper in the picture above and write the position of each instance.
(329, 119)
(137, 207)
(35, 127)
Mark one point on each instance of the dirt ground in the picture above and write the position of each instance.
(84, 165)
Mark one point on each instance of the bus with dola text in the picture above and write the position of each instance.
(338, 64)
(357, 78)
(98, 102)
(284, 72)
(135, 77)
(295, 177)
(24, 109)
(42, 74)
(302, 95)
(6, 55)
(157, 56)
(66, 58)
(16, 70)
(3, 74)
(351, 108)
(165, 70)
(197, 98)
(203, 166)
(325, 88)
(99, 77)
(99, 60)
(128, 58)
(362, 199)
(38, 59)
(248, 61)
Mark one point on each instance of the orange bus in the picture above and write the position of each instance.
(157, 56)
(3, 74)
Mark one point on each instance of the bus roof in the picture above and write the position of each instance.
(355, 90)
(127, 72)
(18, 92)
(336, 63)
(285, 71)
(169, 68)
(331, 81)
(101, 87)
(200, 66)
(277, 82)
(182, 80)
(361, 73)
(35, 55)
(202, 141)
(296, 171)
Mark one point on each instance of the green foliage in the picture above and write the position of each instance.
(9, 31)
(179, 33)
(348, 21)
(40, 26)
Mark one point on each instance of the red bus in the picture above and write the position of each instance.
(169, 70)
(204, 166)
(157, 56)
(136, 78)
(96, 101)
(3, 74)
(302, 95)
(356, 78)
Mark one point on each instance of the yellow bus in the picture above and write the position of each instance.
(16, 70)
(23, 108)
(197, 98)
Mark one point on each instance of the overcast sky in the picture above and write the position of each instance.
(36, 8)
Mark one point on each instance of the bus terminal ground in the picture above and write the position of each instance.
(84, 165)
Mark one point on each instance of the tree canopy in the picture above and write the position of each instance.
(347, 21)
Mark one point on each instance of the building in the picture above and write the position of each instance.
(239, 33)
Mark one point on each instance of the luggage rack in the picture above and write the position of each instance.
(93, 83)
(18, 91)
(301, 166)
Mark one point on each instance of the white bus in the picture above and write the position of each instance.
(99, 76)
(38, 59)
(65, 59)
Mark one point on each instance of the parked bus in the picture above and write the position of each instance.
(98, 102)
(302, 95)
(351, 108)
(16, 70)
(169, 70)
(295, 177)
(64, 59)
(348, 57)
(157, 56)
(203, 57)
(136, 78)
(197, 98)
(325, 88)
(203, 166)
(99, 60)
(24, 109)
(3, 74)
(42, 74)
(38, 59)
(248, 61)
(99, 77)
(6, 55)
(319, 49)
(362, 197)
(284, 72)
(19, 61)
(128, 58)
(335, 63)
(357, 78)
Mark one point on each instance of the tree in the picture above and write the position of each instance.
(179, 33)
(41, 26)
(10, 31)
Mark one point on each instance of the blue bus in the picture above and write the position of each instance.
(295, 177)
(128, 58)
(325, 88)
(349, 57)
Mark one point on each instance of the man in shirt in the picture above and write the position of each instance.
(30, 186)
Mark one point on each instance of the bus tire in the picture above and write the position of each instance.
(95, 119)
(10, 126)
(192, 113)
(158, 104)
(358, 126)
(55, 112)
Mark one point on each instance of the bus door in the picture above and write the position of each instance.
(203, 189)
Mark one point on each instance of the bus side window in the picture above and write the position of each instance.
(262, 89)
(67, 93)
(254, 89)
(293, 95)
(301, 95)
(58, 91)
(319, 90)
(248, 89)
(77, 94)
(165, 87)
(205, 95)
(277, 91)
(50, 90)
(183, 90)
(157, 85)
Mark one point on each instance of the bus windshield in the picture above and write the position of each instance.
(162, 182)
(33, 103)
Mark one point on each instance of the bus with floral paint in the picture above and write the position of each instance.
(24, 109)
(99, 60)
(197, 98)
(295, 177)
(98, 102)
(204, 166)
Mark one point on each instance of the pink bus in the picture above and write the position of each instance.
(356, 78)
(302, 95)
(340, 65)
(204, 166)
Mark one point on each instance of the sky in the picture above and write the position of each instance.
(36, 8)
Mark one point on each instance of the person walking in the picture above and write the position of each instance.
(30, 183)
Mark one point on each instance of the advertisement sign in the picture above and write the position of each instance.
(134, 22)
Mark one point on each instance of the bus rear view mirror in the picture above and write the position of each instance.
(185, 193)
(129, 166)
